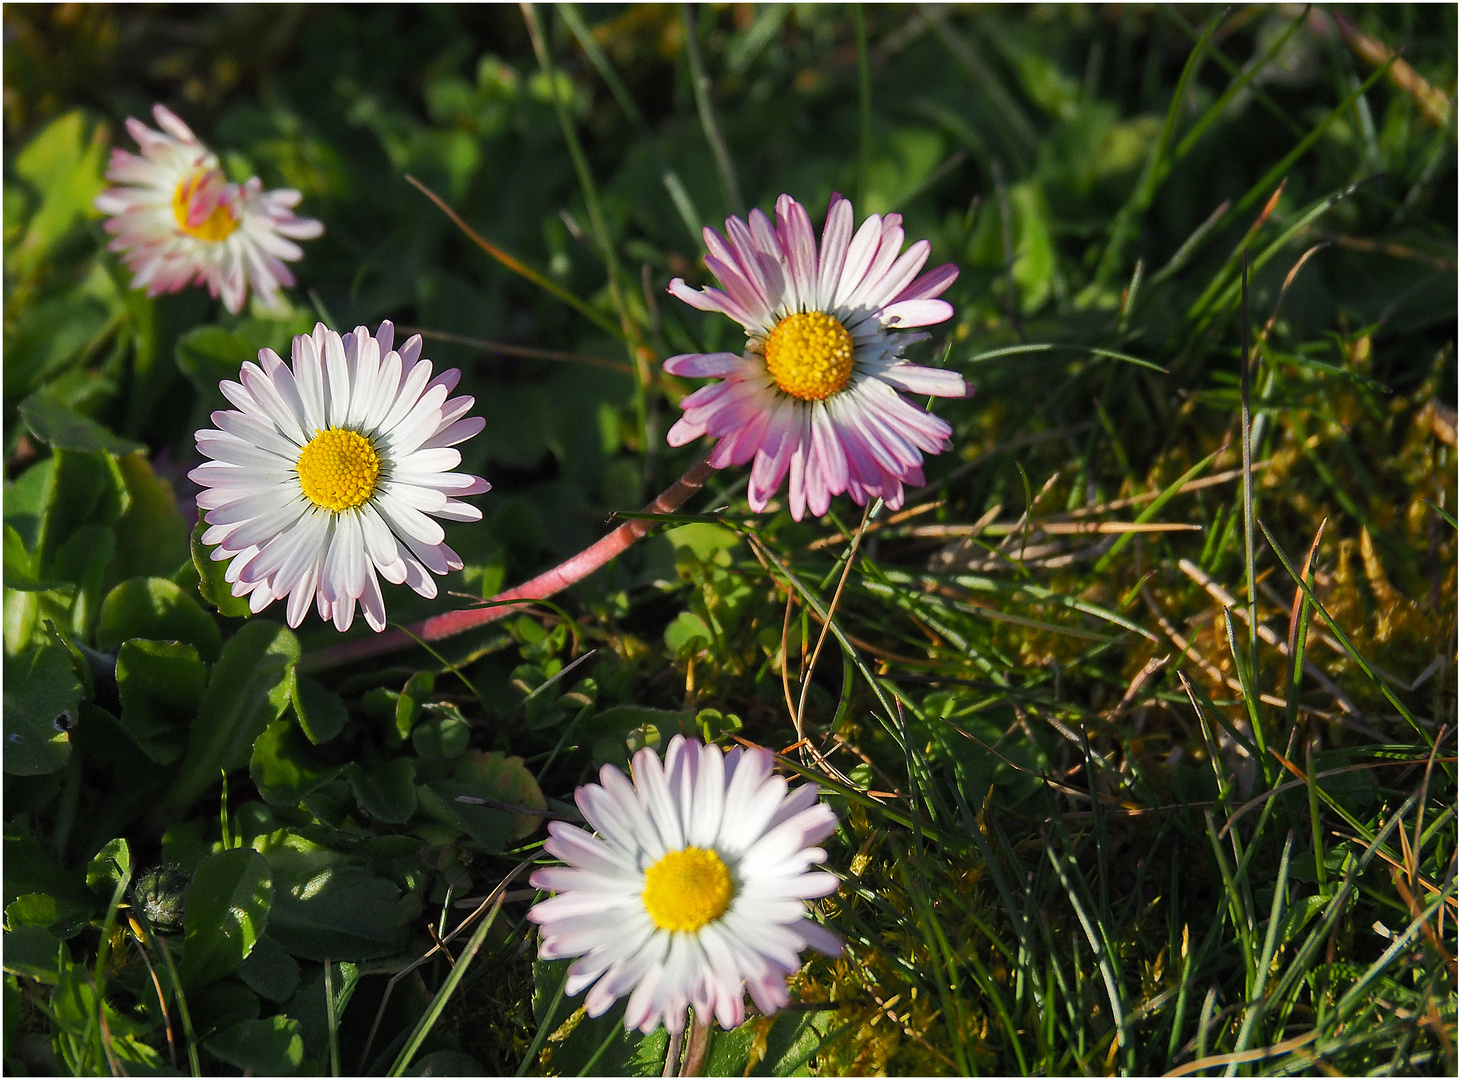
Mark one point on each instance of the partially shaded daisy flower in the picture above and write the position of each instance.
(324, 475)
(178, 222)
(815, 393)
(693, 889)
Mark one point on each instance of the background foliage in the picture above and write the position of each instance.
(1089, 822)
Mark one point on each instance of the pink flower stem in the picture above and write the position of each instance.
(541, 587)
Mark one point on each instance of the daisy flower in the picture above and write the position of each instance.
(815, 392)
(324, 475)
(178, 222)
(692, 890)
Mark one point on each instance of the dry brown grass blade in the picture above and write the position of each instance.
(1433, 104)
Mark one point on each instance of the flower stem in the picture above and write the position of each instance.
(546, 584)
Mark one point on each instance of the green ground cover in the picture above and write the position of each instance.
(1139, 767)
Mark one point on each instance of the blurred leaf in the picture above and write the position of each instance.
(268, 1047)
(249, 688)
(269, 971)
(227, 909)
(441, 736)
(161, 684)
(42, 694)
(63, 164)
(155, 608)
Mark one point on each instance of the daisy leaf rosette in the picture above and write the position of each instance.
(692, 889)
(177, 221)
(334, 471)
(814, 398)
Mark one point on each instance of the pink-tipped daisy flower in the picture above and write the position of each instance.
(692, 889)
(324, 475)
(177, 221)
(814, 394)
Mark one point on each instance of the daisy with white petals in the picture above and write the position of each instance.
(324, 475)
(815, 392)
(692, 890)
(177, 221)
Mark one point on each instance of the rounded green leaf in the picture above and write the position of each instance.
(227, 909)
(211, 586)
(269, 971)
(284, 768)
(160, 684)
(388, 791)
(268, 1047)
(321, 713)
(41, 696)
(156, 609)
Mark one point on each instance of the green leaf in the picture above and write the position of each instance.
(388, 791)
(63, 428)
(30, 868)
(284, 768)
(340, 913)
(502, 782)
(34, 953)
(268, 1047)
(308, 1005)
(157, 609)
(227, 909)
(83, 559)
(248, 690)
(109, 867)
(160, 684)
(152, 537)
(63, 164)
(320, 712)
(20, 569)
(83, 489)
(441, 737)
(445, 1063)
(211, 586)
(42, 694)
(408, 706)
(59, 915)
(269, 971)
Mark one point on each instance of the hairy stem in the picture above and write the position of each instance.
(541, 587)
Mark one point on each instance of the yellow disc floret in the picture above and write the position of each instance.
(338, 469)
(809, 354)
(217, 225)
(687, 889)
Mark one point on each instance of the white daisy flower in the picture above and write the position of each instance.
(324, 475)
(816, 391)
(693, 889)
(178, 222)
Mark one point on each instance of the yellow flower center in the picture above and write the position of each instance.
(217, 225)
(809, 354)
(338, 469)
(687, 889)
